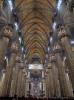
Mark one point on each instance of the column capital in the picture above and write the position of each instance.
(19, 62)
(62, 33)
(52, 58)
(18, 59)
(57, 49)
(14, 47)
(7, 32)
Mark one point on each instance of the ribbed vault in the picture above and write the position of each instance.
(35, 21)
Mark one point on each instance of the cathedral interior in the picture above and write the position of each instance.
(37, 48)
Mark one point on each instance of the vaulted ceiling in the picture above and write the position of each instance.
(36, 23)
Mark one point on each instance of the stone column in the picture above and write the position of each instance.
(15, 77)
(24, 82)
(9, 71)
(23, 85)
(3, 46)
(61, 72)
(4, 41)
(50, 81)
(67, 77)
(20, 84)
(2, 80)
(55, 76)
(64, 38)
(27, 87)
(22, 93)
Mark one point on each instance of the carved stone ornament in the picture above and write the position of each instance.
(14, 47)
(63, 33)
(7, 32)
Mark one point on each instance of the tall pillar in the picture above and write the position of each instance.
(19, 83)
(2, 80)
(4, 41)
(55, 76)
(15, 78)
(50, 81)
(3, 46)
(24, 82)
(61, 72)
(21, 79)
(27, 88)
(23, 86)
(64, 38)
(67, 77)
(27, 83)
(9, 71)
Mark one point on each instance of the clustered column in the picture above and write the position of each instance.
(64, 39)
(4, 41)
(9, 70)
(61, 72)
(55, 76)
(15, 77)
(20, 83)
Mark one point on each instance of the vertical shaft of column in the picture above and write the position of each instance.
(68, 78)
(69, 84)
(27, 83)
(14, 80)
(9, 71)
(27, 88)
(25, 94)
(24, 82)
(2, 80)
(3, 47)
(20, 81)
(50, 81)
(64, 38)
(7, 34)
(61, 73)
(55, 77)
(23, 85)
(8, 77)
